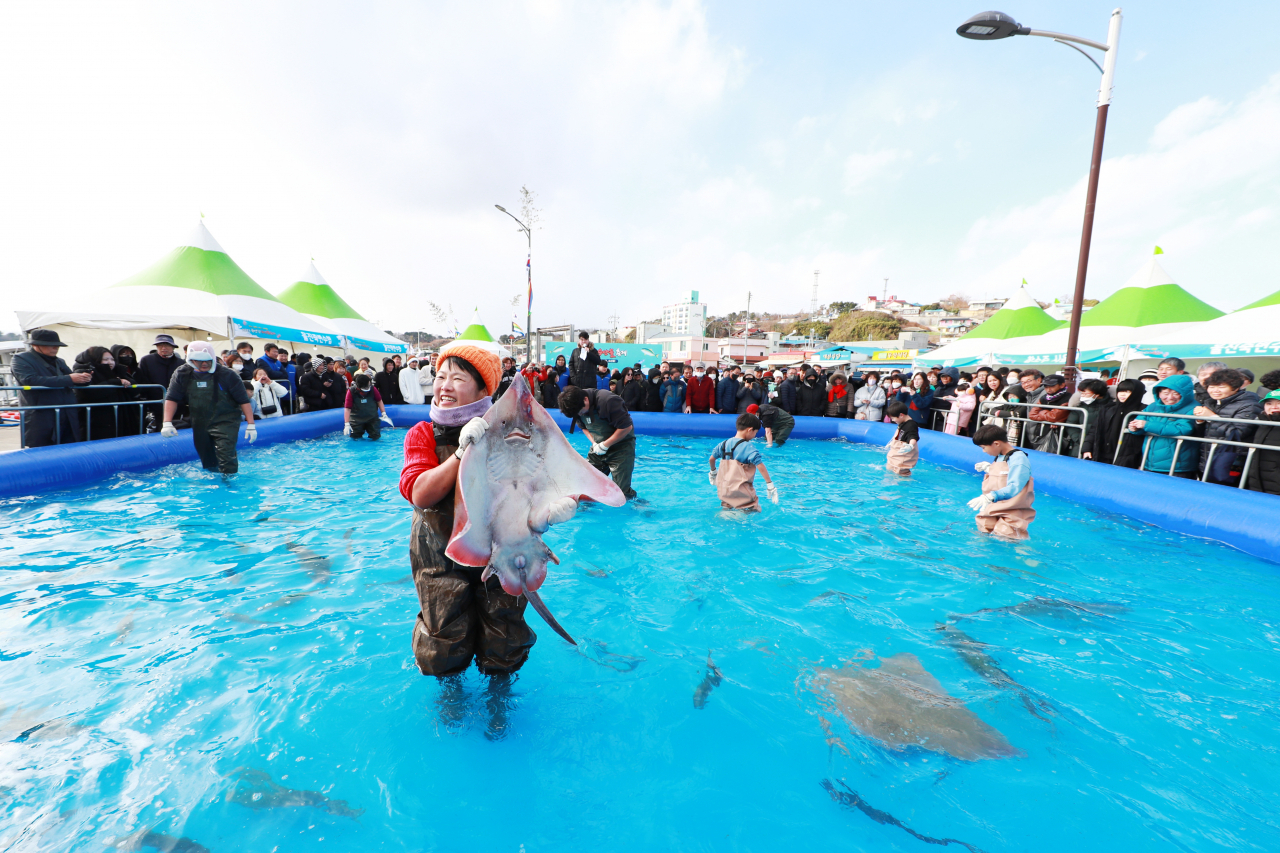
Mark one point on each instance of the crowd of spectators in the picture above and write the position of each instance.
(1101, 420)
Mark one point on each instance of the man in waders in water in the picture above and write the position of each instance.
(735, 479)
(1008, 489)
(216, 396)
(604, 417)
(461, 617)
(361, 410)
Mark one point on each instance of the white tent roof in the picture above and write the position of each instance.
(197, 286)
(359, 332)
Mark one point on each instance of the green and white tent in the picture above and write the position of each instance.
(1148, 307)
(478, 334)
(1251, 332)
(1020, 319)
(315, 298)
(196, 290)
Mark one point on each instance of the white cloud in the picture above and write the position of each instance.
(862, 168)
(1188, 193)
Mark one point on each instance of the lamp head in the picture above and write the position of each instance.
(500, 207)
(986, 26)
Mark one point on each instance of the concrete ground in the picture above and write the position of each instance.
(9, 438)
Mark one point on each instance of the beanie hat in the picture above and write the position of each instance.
(752, 409)
(200, 351)
(484, 361)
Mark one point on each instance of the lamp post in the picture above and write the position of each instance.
(997, 25)
(528, 265)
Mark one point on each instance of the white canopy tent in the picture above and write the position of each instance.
(196, 291)
(316, 299)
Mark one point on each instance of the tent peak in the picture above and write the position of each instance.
(1020, 299)
(202, 239)
(1151, 275)
(312, 275)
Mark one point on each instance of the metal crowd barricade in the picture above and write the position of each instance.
(1177, 447)
(983, 414)
(57, 409)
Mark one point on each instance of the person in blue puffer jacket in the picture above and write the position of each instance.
(672, 393)
(727, 392)
(1176, 396)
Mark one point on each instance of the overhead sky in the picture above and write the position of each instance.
(725, 146)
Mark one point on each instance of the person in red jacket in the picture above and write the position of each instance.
(700, 398)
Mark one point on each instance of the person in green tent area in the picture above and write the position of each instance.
(217, 398)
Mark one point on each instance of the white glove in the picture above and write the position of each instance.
(346, 429)
(711, 475)
(386, 419)
(471, 433)
(167, 430)
(251, 433)
(772, 491)
(598, 449)
(979, 503)
(981, 467)
(562, 510)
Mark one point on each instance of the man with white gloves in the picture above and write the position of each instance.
(604, 417)
(217, 399)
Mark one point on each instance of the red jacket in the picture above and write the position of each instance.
(701, 394)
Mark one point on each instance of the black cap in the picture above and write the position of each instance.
(45, 338)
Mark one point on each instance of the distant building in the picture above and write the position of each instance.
(646, 332)
(987, 304)
(686, 317)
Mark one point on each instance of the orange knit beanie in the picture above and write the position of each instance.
(481, 359)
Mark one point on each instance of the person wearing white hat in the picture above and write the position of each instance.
(217, 398)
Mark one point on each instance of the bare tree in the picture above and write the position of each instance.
(955, 303)
(528, 212)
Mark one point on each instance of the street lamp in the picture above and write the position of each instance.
(997, 25)
(528, 265)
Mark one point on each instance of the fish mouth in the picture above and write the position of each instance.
(517, 435)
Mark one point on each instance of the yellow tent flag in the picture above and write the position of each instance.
(1024, 281)
(1159, 251)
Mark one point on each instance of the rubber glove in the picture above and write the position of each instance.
(711, 475)
(981, 467)
(167, 430)
(386, 419)
(562, 510)
(251, 433)
(471, 433)
(979, 503)
(346, 429)
(598, 449)
(772, 491)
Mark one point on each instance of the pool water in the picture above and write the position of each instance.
(226, 666)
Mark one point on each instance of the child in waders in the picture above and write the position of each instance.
(904, 447)
(735, 479)
(1008, 489)
(360, 412)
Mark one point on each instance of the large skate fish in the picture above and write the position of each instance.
(512, 483)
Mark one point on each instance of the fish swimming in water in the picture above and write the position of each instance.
(318, 565)
(147, 839)
(710, 681)
(901, 705)
(518, 478)
(852, 799)
(842, 597)
(123, 630)
(971, 652)
(257, 790)
(1042, 605)
(597, 651)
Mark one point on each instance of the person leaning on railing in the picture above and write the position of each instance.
(1228, 398)
(1264, 473)
(50, 381)
(1175, 396)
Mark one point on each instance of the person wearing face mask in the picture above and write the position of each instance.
(700, 397)
(652, 390)
(157, 368)
(869, 400)
(217, 398)
(1095, 399)
(786, 399)
(811, 399)
(321, 387)
(1264, 474)
(105, 387)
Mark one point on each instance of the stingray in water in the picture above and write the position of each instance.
(901, 705)
(318, 565)
(972, 653)
(852, 799)
(517, 480)
(257, 790)
(597, 651)
(710, 681)
(1044, 606)
(146, 839)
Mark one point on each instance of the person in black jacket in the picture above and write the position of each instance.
(727, 392)
(786, 399)
(388, 384)
(126, 368)
(1124, 446)
(811, 398)
(105, 387)
(322, 388)
(633, 390)
(584, 364)
(1264, 473)
(50, 382)
(504, 382)
(157, 368)
(653, 390)
(248, 365)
